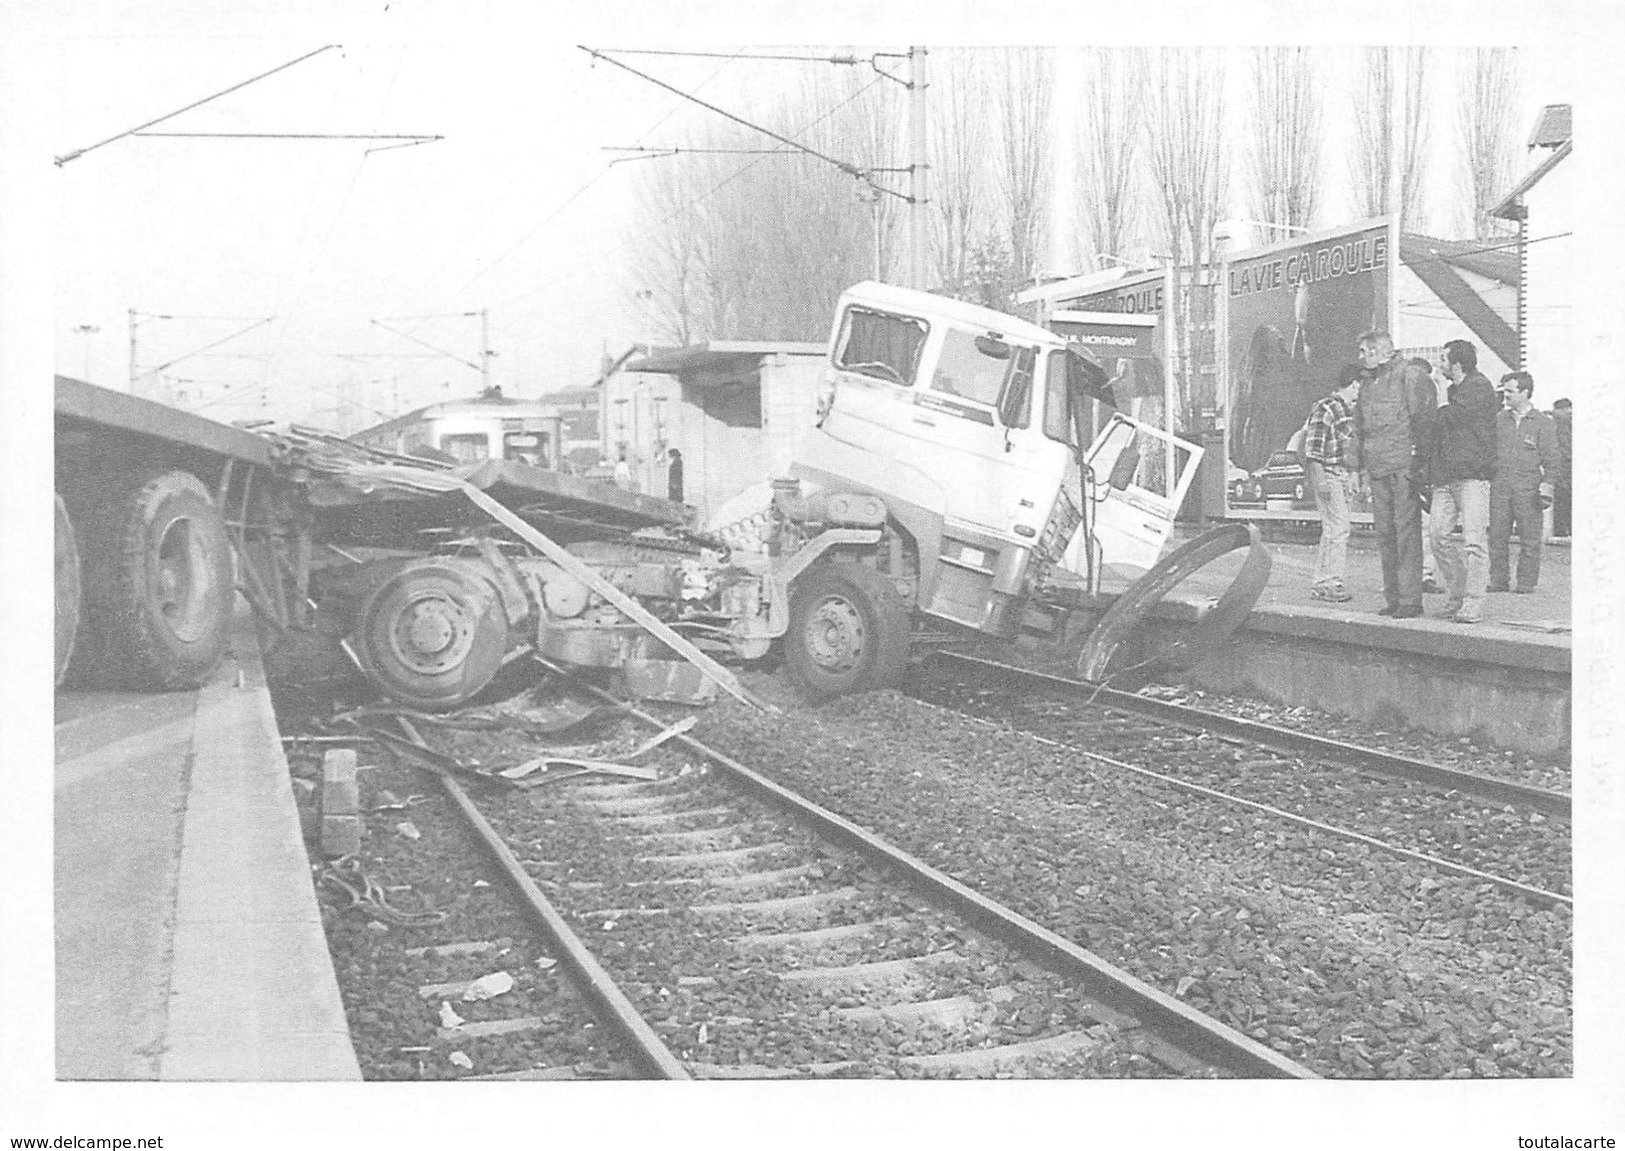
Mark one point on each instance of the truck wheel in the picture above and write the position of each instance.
(849, 630)
(432, 635)
(67, 590)
(158, 586)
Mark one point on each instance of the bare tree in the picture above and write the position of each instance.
(1024, 91)
(958, 143)
(1187, 158)
(669, 258)
(1286, 136)
(1387, 75)
(1108, 141)
(1489, 133)
(762, 248)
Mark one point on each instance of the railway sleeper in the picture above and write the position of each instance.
(489, 1028)
(555, 1074)
(668, 818)
(813, 905)
(814, 939)
(982, 1061)
(713, 837)
(746, 1071)
(729, 860)
(615, 805)
(957, 1011)
(746, 881)
(885, 973)
(643, 788)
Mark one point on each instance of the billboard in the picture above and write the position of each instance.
(1294, 313)
(1133, 356)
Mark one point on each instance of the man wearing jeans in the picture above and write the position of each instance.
(1394, 418)
(1461, 467)
(1331, 455)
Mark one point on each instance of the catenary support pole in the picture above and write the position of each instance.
(917, 185)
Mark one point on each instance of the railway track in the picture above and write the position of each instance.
(1474, 826)
(723, 926)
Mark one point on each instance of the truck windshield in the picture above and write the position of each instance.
(881, 345)
(974, 368)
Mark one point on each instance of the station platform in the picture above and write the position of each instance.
(189, 945)
(1505, 680)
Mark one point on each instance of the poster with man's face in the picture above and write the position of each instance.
(1296, 312)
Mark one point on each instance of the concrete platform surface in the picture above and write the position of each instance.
(1533, 630)
(1505, 680)
(189, 945)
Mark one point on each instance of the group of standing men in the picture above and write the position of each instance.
(1487, 463)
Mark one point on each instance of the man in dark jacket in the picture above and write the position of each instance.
(1461, 467)
(1526, 465)
(1395, 415)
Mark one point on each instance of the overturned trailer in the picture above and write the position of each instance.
(949, 487)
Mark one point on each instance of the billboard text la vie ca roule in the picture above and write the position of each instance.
(1295, 315)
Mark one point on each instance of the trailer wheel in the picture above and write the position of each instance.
(67, 590)
(849, 630)
(432, 635)
(158, 586)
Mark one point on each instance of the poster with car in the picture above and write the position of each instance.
(1294, 314)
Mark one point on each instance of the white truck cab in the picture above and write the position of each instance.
(968, 423)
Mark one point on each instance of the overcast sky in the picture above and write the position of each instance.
(515, 212)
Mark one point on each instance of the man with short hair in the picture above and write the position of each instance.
(1331, 455)
(1461, 468)
(1394, 418)
(1525, 473)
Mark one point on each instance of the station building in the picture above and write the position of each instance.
(1544, 252)
(734, 409)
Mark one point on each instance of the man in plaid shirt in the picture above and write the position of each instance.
(1331, 453)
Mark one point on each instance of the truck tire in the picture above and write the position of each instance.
(67, 590)
(157, 587)
(433, 634)
(849, 631)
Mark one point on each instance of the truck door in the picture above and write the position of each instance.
(1132, 495)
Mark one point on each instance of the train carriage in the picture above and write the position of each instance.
(489, 426)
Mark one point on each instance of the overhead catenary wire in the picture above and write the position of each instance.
(77, 152)
(413, 136)
(1496, 247)
(847, 59)
(212, 344)
(597, 261)
(849, 168)
(745, 55)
